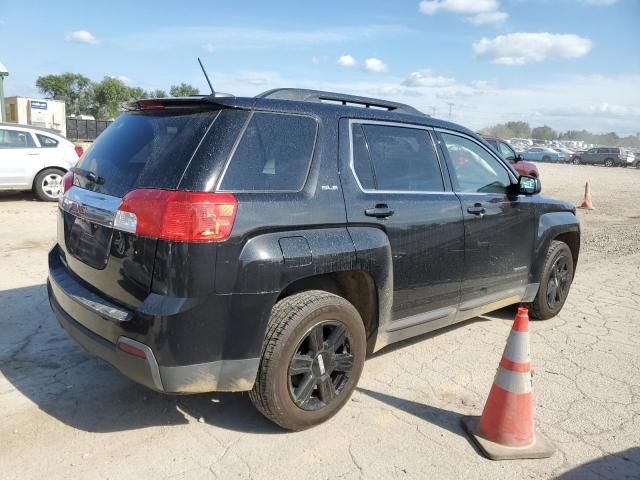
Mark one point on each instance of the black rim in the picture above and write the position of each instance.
(558, 285)
(321, 366)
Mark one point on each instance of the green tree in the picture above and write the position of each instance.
(157, 93)
(544, 133)
(109, 97)
(519, 129)
(183, 90)
(74, 89)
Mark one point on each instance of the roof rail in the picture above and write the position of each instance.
(306, 95)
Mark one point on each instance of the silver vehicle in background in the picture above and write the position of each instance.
(35, 159)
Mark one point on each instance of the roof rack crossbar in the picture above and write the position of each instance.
(306, 95)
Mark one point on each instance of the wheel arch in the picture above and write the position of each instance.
(559, 226)
(356, 286)
(33, 179)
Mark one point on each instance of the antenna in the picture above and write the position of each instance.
(206, 76)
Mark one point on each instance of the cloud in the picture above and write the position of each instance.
(465, 7)
(489, 18)
(122, 78)
(375, 65)
(522, 48)
(347, 61)
(426, 78)
(81, 36)
(478, 12)
(251, 38)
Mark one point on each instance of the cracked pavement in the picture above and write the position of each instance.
(66, 414)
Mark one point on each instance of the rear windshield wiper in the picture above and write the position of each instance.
(92, 177)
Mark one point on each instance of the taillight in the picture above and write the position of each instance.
(79, 150)
(67, 181)
(178, 216)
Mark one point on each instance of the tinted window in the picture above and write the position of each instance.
(47, 142)
(506, 151)
(273, 154)
(361, 159)
(16, 139)
(403, 159)
(476, 170)
(144, 149)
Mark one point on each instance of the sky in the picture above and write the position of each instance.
(570, 64)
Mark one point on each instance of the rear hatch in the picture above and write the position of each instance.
(148, 148)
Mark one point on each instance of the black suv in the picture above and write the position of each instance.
(607, 156)
(268, 244)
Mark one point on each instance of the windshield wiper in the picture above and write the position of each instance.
(92, 177)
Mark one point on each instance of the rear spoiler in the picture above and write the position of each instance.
(220, 100)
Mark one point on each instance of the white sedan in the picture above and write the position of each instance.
(36, 159)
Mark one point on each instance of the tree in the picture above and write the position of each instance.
(519, 129)
(157, 93)
(110, 95)
(544, 133)
(74, 89)
(183, 90)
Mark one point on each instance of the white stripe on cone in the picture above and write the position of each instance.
(517, 349)
(513, 382)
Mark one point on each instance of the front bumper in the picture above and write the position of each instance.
(85, 314)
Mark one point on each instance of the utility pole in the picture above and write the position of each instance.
(3, 73)
(451, 105)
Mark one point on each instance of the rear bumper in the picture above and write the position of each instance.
(86, 316)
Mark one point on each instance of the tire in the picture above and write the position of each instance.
(48, 184)
(576, 161)
(609, 163)
(293, 326)
(559, 259)
(546, 159)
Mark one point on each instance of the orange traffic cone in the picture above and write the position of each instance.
(505, 430)
(586, 203)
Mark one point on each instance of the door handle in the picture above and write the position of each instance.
(381, 210)
(34, 153)
(477, 209)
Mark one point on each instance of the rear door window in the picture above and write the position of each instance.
(144, 149)
(47, 142)
(402, 159)
(274, 154)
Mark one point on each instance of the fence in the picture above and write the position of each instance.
(79, 129)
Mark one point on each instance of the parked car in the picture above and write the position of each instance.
(34, 159)
(567, 153)
(268, 244)
(543, 154)
(509, 154)
(607, 156)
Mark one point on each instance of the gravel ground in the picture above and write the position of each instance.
(66, 414)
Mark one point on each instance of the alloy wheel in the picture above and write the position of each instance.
(52, 185)
(558, 286)
(321, 366)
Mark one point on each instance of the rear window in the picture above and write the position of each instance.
(144, 149)
(274, 154)
(47, 142)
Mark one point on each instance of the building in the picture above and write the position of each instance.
(37, 112)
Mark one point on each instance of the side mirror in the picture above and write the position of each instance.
(518, 158)
(529, 185)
